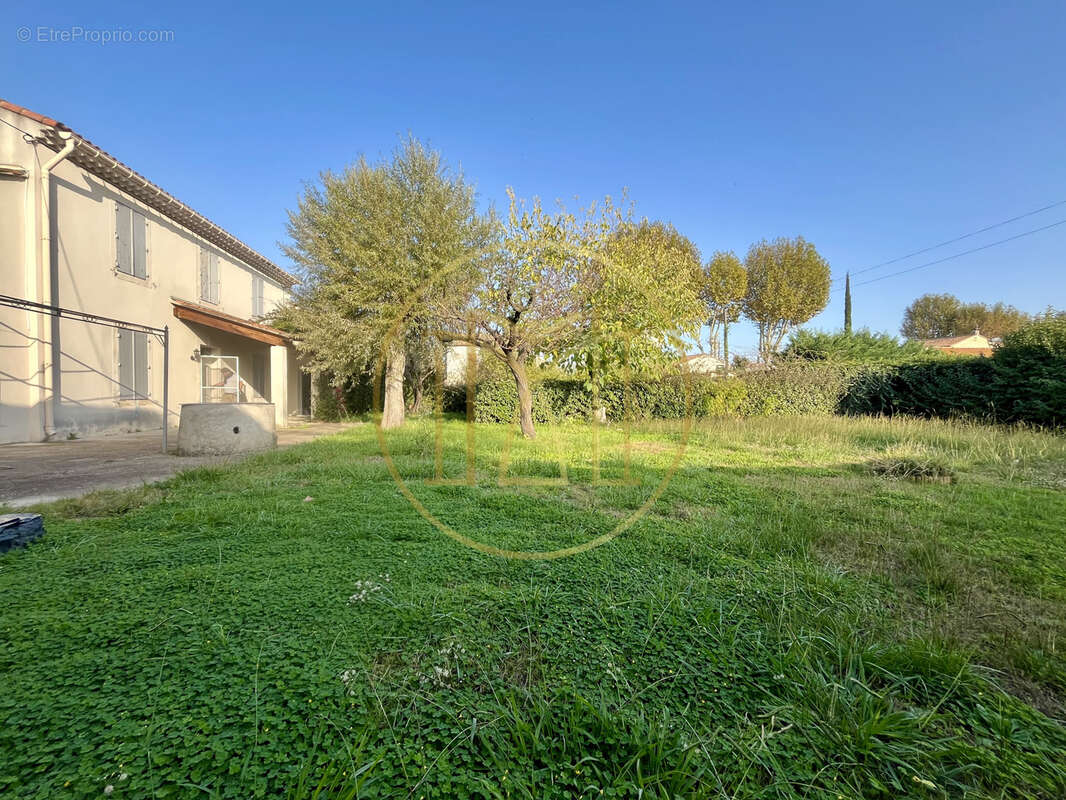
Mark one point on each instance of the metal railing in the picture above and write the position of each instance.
(163, 334)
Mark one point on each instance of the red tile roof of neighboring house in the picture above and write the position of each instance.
(105, 166)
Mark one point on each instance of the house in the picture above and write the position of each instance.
(457, 356)
(703, 364)
(972, 345)
(83, 232)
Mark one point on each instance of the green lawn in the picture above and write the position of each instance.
(790, 619)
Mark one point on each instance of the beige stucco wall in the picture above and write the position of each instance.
(976, 340)
(18, 414)
(83, 357)
(456, 357)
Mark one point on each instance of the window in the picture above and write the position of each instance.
(220, 380)
(132, 365)
(208, 276)
(257, 296)
(131, 242)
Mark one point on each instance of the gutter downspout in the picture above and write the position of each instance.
(45, 359)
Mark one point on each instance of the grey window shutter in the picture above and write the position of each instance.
(125, 364)
(213, 261)
(123, 239)
(257, 296)
(204, 276)
(140, 364)
(140, 245)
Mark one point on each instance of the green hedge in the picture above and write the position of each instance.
(1025, 382)
(806, 389)
(1029, 390)
(958, 388)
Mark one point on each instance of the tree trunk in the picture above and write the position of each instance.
(725, 346)
(712, 336)
(525, 395)
(395, 362)
(418, 393)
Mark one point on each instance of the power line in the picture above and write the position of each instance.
(959, 255)
(25, 133)
(956, 239)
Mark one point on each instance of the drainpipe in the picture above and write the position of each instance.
(45, 284)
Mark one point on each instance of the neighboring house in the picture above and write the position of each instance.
(456, 362)
(703, 364)
(973, 345)
(82, 231)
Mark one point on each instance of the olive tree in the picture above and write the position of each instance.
(366, 239)
(788, 283)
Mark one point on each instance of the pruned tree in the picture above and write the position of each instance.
(788, 283)
(366, 239)
(593, 289)
(724, 289)
(525, 301)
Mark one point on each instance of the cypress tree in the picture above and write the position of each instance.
(847, 303)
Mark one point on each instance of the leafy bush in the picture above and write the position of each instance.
(790, 389)
(860, 347)
(1030, 381)
(355, 396)
(1045, 338)
(1024, 381)
(955, 388)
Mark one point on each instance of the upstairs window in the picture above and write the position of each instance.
(257, 296)
(131, 242)
(132, 365)
(208, 276)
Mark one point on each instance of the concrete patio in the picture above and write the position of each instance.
(40, 472)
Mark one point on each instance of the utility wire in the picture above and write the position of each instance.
(20, 130)
(959, 255)
(956, 239)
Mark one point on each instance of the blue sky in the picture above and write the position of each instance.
(871, 129)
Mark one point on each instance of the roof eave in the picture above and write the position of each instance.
(103, 165)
